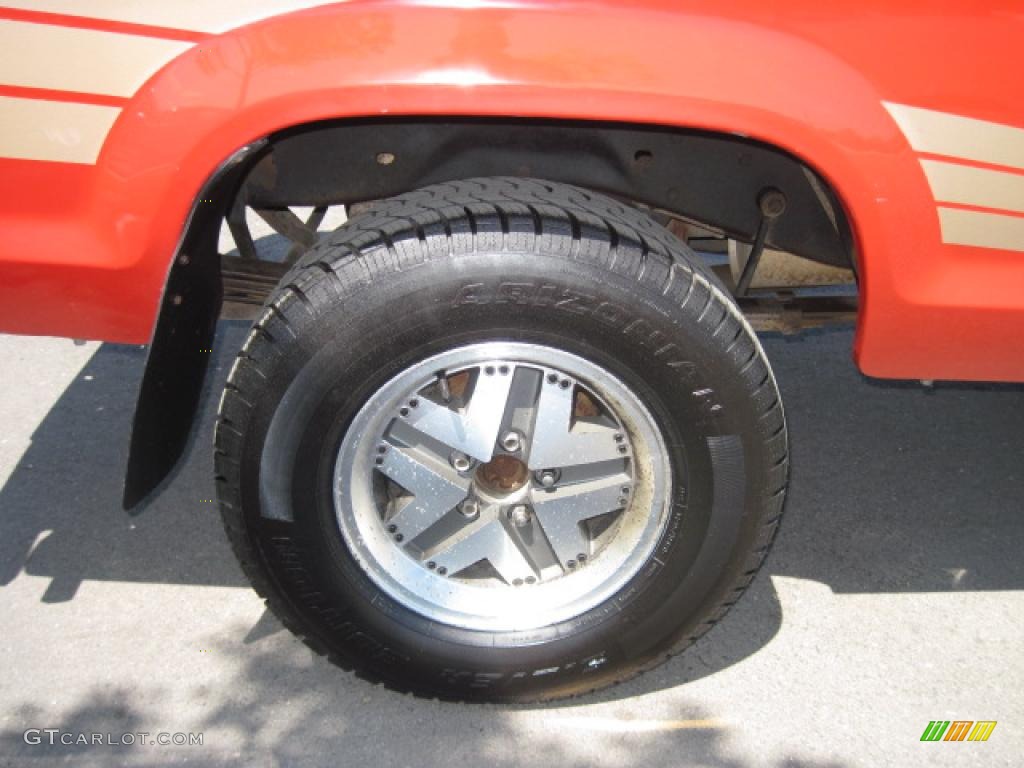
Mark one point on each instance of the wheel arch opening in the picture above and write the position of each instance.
(712, 180)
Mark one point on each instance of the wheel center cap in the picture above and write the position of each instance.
(502, 474)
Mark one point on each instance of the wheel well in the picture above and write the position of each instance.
(711, 179)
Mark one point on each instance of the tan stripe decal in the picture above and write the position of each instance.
(212, 16)
(970, 185)
(979, 228)
(966, 139)
(92, 61)
(81, 60)
(32, 129)
(940, 133)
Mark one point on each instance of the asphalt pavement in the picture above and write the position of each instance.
(894, 596)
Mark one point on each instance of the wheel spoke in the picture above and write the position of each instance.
(489, 542)
(435, 489)
(562, 510)
(557, 442)
(474, 428)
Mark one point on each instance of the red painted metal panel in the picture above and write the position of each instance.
(84, 250)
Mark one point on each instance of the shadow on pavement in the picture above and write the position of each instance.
(894, 488)
(329, 723)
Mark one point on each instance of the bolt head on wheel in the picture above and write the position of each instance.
(548, 477)
(511, 441)
(460, 461)
(520, 515)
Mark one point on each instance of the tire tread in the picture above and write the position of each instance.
(457, 218)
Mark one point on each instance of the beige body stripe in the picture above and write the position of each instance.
(81, 60)
(940, 133)
(31, 129)
(211, 16)
(982, 229)
(967, 139)
(969, 185)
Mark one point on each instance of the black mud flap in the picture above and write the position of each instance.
(183, 339)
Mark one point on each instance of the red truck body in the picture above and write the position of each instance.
(115, 113)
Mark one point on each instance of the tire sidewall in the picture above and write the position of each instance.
(347, 349)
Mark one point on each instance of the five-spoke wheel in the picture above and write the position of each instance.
(496, 466)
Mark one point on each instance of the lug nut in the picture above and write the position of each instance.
(470, 508)
(548, 477)
(512, 441)
(520, 515)
(460, 461)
